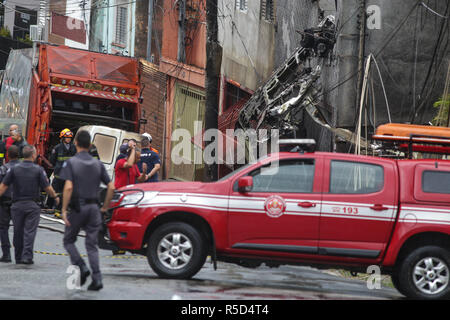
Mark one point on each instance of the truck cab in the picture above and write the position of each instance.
(108, 141)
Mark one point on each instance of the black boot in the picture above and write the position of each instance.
(95, 285)
(84, 274)
(6, 257)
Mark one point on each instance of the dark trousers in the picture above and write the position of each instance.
(25, 216)
(58, 186)
(88, 219)
(5, 219)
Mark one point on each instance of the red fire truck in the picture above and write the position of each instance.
(49, 88)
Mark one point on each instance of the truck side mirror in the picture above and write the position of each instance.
(245, 184)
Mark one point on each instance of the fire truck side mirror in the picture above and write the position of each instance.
(245, 184)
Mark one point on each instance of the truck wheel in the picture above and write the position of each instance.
(176, 250)
(425, 273)
(396, 283)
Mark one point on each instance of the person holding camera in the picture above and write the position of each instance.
(127, 171)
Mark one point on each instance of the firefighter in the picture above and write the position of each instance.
(93, 151)
(5, 204)
(83, 175)
(2, 152)
(62, 152)
(26, 180)
(149, 137)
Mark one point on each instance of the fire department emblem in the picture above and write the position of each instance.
(275, 206)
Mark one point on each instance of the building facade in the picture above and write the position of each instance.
(183, 60)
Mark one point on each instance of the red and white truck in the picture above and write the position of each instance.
(48, 88)
(308, 208)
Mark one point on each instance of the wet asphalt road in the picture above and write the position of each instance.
(129, 277)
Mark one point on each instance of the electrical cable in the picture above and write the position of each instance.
(430, 68)
(438, 14)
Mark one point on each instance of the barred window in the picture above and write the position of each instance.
(121, 25)
(268, 10)
(242, 5)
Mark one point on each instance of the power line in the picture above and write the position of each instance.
(74, 10)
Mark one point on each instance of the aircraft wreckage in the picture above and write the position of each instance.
(295, 88)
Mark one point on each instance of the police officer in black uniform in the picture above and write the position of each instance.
(26, 180)
(5, 204)
(62, 152)
(83, 175)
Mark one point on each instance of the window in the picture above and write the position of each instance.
(268, 10)
(121, 25)
(105, 147)
(242, 5)
(355, 177)
(293, 176)
(436, 182)
(233, 95)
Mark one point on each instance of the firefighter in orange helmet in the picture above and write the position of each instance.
(60, 153)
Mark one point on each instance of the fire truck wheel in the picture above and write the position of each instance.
(176, 250)
(425, 273)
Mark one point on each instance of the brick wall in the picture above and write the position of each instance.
(153, 106)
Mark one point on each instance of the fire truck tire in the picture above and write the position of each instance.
(176, 250)
(425, 273)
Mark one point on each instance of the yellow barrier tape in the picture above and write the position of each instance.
(83, 255)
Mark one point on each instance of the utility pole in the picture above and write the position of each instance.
(213, 63)
(362, 41)
(181, 57)
(149, 30)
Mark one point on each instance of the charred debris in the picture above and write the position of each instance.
(292, 94)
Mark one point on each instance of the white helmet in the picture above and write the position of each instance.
(148, 136)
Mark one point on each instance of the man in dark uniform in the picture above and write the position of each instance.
(26, 180)
(93, 151)
(5, 204)
(2, 152)
(151, 158)
(62, 152)
(83, 175)
(18, 141)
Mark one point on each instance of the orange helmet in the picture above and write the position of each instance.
(66, 133)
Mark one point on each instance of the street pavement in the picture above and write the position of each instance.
(129, 277)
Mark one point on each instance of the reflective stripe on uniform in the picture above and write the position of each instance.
(62, 158)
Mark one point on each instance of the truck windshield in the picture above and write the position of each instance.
(15, 90)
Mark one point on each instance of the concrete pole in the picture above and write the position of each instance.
(181, 57)
(213, 63)
(149, 30)
(362, 41)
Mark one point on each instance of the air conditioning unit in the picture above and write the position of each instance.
(36, 32)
